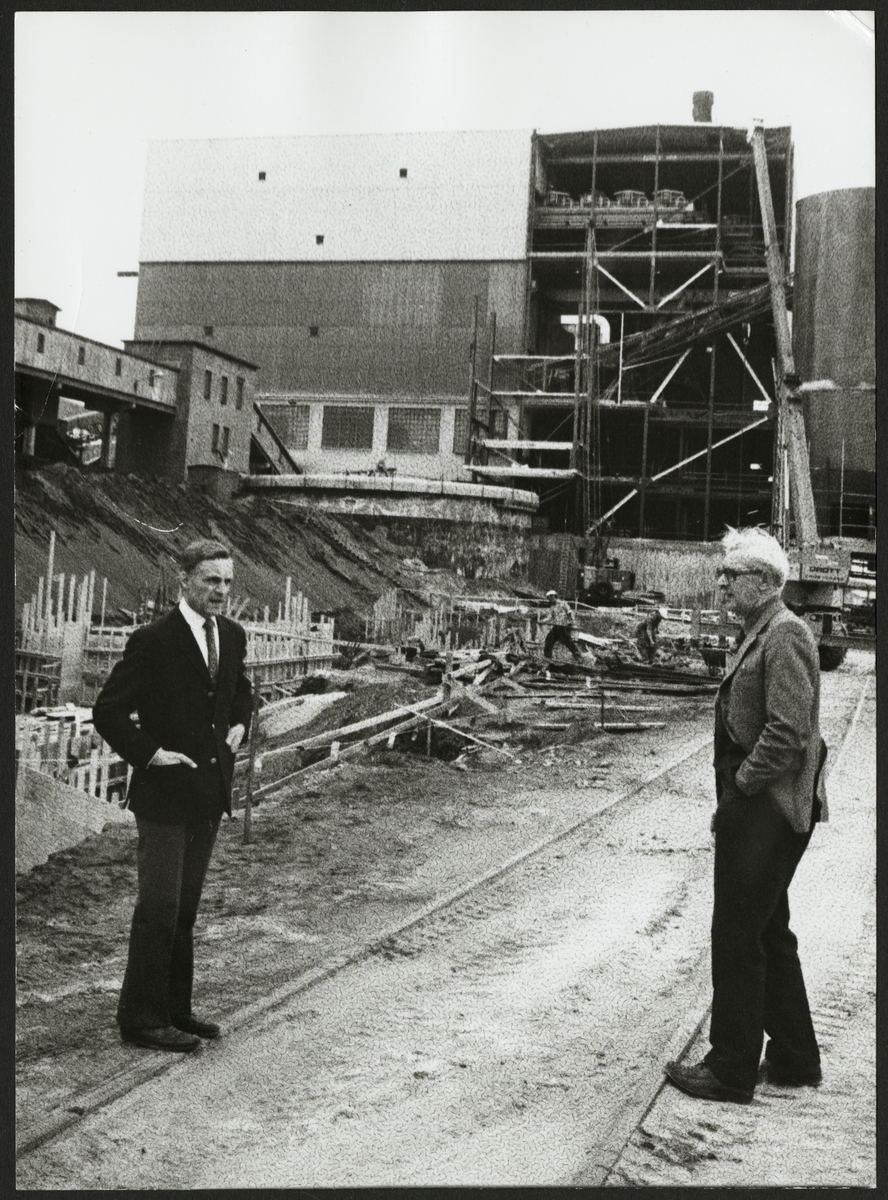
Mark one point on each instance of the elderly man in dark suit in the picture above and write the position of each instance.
(183, 678)
(768, 761)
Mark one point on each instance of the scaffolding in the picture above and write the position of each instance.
(665, 292)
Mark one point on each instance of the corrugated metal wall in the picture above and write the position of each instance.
(401, 328)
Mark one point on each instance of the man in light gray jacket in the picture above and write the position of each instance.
(768, 761)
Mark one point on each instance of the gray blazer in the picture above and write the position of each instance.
(770, 704)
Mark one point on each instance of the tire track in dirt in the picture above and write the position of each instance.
(617, 831)
(520, 1011)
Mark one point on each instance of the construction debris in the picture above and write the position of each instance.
(488, 698)
(482, 657)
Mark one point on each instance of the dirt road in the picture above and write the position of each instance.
(510, 1039)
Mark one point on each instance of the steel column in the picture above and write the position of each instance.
(654, 230)
(711, 408)
(472, 409)
(642, 488)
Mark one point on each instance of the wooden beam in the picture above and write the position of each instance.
(498, 444)
(520, 471)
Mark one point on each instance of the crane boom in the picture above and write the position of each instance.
(789, 402)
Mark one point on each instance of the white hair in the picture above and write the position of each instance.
(755, 550)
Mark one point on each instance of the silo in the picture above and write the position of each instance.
(834, 338)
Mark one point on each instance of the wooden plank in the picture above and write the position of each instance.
(500, 444)
(628, 726)
(595, 703)
(524, 472)
(472, 738)
(350, 751)
(332, 735)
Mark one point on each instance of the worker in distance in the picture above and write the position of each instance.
(769, 784)
(560, 620)
(647, 635)
(183, 677)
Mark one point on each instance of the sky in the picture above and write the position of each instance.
(93, 88)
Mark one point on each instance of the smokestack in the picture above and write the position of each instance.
(703, 106)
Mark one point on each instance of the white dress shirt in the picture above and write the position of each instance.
(196, 623)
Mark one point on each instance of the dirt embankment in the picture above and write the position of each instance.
(129, 529)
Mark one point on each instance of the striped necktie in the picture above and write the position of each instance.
(212, 656)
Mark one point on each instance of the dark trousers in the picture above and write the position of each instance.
(172, 863)
(559, 633)
(758, 987)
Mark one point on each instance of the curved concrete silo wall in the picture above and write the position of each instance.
(834, 337)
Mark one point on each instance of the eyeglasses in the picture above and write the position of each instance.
(731, 575)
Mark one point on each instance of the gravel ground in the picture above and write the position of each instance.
(356, 850)
(798, 1137)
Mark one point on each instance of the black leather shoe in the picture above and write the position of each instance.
(783, 1077)
(162, 1037)
(699, 1081)
(200, 1028)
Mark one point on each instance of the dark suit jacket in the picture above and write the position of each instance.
(163, 679)
(769, 701)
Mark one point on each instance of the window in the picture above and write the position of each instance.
(81, 355)
(239, 394)
(261, 175)
(347, 428)
(226, 433)
(403, 172)
(208, 384)
(41, 342)
(314, 330)
(215, 438)
(135, 385)
(319, 239)
(208, 330)
(414, 430)
(290, 423)
(223, 398)
(461, 431)
(118, 367)
(151, 378)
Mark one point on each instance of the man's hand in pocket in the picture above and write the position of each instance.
(171, 758)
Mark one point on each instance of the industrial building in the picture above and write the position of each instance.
(349, 267)
(583, 318)
(176, 409)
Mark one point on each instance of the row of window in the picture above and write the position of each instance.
(223, 389)
(81, 360)
(350, 427)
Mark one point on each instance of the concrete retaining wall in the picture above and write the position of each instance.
(683, 571)
(474, 549)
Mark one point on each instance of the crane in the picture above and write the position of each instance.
(818, 569)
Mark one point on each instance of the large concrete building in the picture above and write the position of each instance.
(576, 314)
(346, 267)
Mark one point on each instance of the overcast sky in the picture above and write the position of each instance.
(92, 88)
